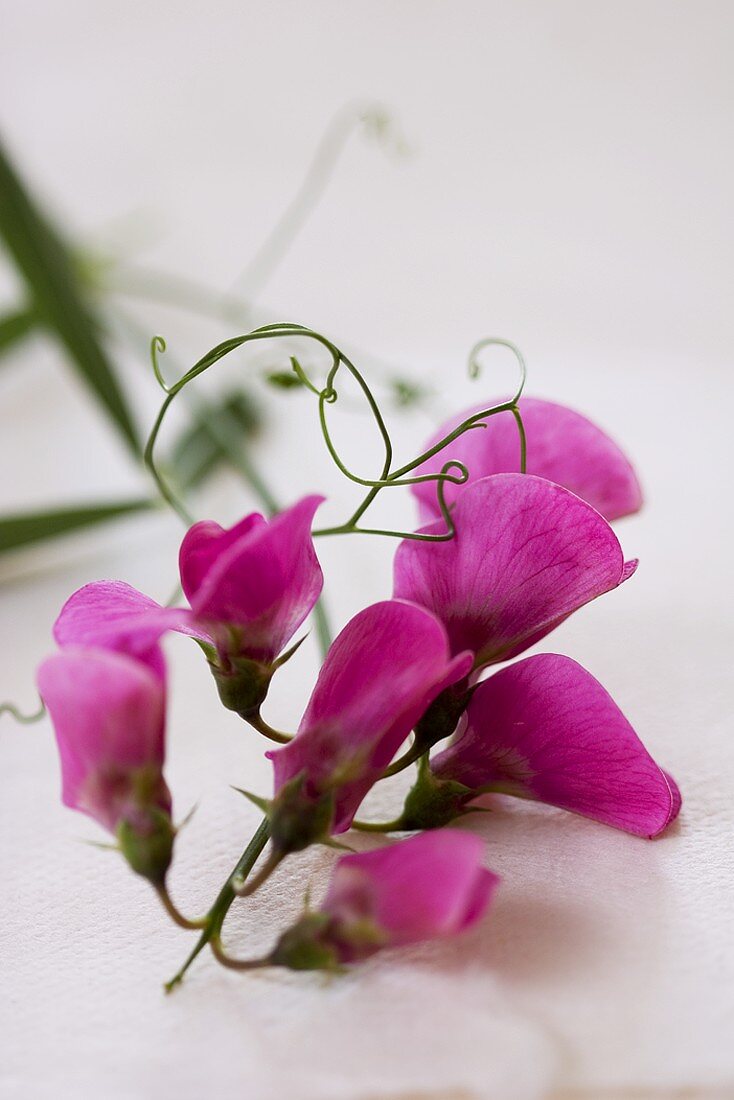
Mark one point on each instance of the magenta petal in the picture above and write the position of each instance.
(380, 674)
(115, 616)
(562, 446)
(429, 886)
(205, 543)
(262, 576)
(546, 729)
(108, 712)
(527, 553)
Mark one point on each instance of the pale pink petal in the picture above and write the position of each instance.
(114, 615)
(262, 576)
(108, 712)
(526, 554)
(431, 885)
(546, 729)
(562, 446)
(383, 670)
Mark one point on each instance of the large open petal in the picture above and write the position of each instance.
(383, 670)
(431, 885)
(259, 575)
(562, 446)
(108, 712)
(113, 615)
(544, 728)
(526, 554)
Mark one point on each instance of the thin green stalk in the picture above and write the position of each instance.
(323, 629)
(220, 908)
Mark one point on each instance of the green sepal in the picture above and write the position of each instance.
(263, 804)
(285, 657)
(299, 818)
(441, 718)
(432, 803)
(148, 849)
(243, 686)
(305, 945)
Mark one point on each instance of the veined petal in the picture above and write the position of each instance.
(562, 446)
(115, 616)
(545, 729)
(526, 554)
(380, 674)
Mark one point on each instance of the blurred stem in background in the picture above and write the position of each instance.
(69, 296)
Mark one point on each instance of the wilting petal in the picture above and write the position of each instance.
(380, 674)
(114, 615)
(261, 576)
(430, 885)
(546, 729)
(562, 446)
(425, 888)
(526, 554)
(108, 712)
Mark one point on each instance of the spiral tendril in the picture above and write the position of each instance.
(452, 472)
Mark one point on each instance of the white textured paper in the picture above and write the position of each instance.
(584, 211)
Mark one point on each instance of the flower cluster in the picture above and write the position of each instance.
(405, 682)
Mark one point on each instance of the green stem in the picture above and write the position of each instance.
(323, 630)
(235, 964)
(415, 752)
(176, 916)
(377, 826)
(245, 889)
(220, 908)
(258, 723)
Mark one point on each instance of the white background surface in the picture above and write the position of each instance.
(569, 188)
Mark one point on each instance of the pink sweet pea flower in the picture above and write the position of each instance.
(545, 729)
(428, 887)
(381, 673)
(252, 586)
(108, 712)
(562, 446)
(526, 554)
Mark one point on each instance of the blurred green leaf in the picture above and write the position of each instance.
(23, 528)
(14, 327)
(58, 297)
(406, 394)
(284, 380)
(208, 444)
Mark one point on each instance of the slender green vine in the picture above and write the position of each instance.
(452, 472)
